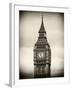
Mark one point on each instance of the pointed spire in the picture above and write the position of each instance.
(42, 17)
(42, 29)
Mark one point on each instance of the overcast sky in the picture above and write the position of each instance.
(30, 23)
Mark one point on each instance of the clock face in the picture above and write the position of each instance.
(41, 55)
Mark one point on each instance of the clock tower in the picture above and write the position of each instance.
(42, 55)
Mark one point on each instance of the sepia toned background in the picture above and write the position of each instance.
(29, 25)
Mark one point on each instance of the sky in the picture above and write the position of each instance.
(29, 25)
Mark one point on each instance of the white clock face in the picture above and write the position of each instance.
(41, 55)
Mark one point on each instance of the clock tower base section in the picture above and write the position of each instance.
(42, 71)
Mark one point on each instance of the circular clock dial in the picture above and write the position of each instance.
(41, 55)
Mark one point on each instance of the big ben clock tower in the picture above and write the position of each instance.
(42, 55)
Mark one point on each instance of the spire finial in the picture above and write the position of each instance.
(42, 17)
